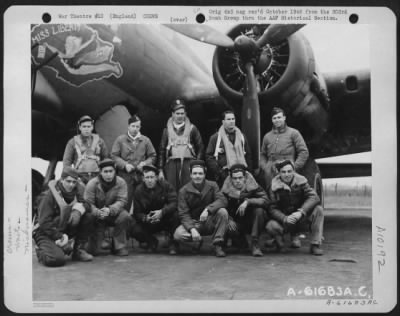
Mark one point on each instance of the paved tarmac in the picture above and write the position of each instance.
(345, 270)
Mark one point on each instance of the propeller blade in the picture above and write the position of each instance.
(202, 33)
(276, 33)
(251, 114)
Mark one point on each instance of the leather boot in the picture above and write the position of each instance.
(95, 245)
(316, 250)
(79, 253)
(279, 243)
(296, 242)
(105, 244)
(219, 252)
(121, 252)
(255, 249)
(173, 247)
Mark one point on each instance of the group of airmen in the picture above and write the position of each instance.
(125, 189)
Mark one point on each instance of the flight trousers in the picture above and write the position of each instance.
(252, 223)
(120, 223)
(51, 255)
(313, 223)
(143, 232)
(216, 225)
(177, 172)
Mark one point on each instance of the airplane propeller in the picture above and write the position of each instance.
(251, 113)
(276, 33)
(252, 61)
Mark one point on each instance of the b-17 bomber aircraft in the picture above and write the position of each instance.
(113, 71)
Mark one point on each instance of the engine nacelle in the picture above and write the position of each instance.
(286, 75)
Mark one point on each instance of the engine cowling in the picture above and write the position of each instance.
(279, 67)
(286, 75)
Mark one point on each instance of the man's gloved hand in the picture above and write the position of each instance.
(62, 241)
(75, 218)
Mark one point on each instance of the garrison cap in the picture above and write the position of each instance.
(147, 168)
(133, 119)
(69, 172)
(178, 104)
(197, 163)
(237, 167)
(280, 164)
(85, 118)
(107, 163)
